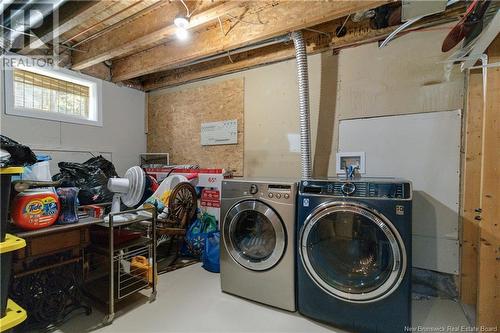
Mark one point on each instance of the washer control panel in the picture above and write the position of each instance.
(383, 189)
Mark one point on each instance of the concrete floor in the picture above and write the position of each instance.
(190, 300)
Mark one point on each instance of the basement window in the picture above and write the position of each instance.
(53, 95)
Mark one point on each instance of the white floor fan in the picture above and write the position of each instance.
(128, 190)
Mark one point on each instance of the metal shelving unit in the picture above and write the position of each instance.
(115, 277)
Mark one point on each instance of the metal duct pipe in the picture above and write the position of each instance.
(305, 122)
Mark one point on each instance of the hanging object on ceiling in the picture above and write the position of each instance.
(411, 9)
(469, 27)
(408, 23)
(472, 18)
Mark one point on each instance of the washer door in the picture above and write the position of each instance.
(352, 252)
(254, 235)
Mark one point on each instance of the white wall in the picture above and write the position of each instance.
(121, 136)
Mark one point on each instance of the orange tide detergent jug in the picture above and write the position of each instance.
(33, 210)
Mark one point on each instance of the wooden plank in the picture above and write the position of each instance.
(471, 175)
(315, 42)
(175, 117)
(357, 33)
(260, 22)
(488, 297)
(145, 32)
(70, 15)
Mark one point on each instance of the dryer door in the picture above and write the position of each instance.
(352, 252)
(254, 235)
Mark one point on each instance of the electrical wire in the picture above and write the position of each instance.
(343, 24)
(240, 20)
(221, 27)
(188, 14)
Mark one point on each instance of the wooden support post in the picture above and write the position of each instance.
(488, 294)
(471, 188)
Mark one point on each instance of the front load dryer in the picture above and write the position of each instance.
(257, 258)
(354, 253)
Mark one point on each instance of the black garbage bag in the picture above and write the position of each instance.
(106, 166)
(89, 177)
(20, 155)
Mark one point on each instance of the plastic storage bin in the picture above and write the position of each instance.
(7, 247)
(13, 316)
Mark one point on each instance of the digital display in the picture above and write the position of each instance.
(386, 190)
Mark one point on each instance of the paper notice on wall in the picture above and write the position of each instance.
(294, 142)
(219, 133)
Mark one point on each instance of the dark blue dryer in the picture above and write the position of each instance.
(354, 253)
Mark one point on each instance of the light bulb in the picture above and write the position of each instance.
(181, 22)
(181, 33)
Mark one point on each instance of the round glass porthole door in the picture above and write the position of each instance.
(352, 252)
(254, 235)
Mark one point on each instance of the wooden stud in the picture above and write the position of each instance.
(471, 176)
(488, 295)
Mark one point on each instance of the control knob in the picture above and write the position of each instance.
(253, 189)
(348, 188)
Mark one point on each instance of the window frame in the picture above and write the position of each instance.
(95, 96)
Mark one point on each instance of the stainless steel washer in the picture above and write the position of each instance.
(257, 249)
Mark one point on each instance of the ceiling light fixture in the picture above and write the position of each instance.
(181, 33)
(181, 22)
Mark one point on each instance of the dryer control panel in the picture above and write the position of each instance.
(280, 192)
(359, 188)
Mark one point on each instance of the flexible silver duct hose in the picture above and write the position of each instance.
(303, 78)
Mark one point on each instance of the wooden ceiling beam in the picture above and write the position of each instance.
(237, 62)
(147, 31)
(321, 38)
(257, 23)
(70, 15)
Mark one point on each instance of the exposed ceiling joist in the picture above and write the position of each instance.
(318, 39)
(252, 26)
(70, 15)
(145, 32)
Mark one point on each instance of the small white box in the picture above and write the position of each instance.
(345, 159)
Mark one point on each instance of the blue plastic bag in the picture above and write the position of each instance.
(197, 234)
(211, 254)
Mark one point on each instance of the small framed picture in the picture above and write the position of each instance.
(346, 159)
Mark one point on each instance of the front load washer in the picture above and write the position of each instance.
(257, 258)
(354, 253)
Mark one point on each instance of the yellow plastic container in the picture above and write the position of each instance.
(13, 316)
(140, 266)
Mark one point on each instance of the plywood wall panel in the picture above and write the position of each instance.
(175, 117)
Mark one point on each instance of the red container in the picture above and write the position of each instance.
(32, 210)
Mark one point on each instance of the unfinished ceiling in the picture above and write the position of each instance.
(134, 42)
